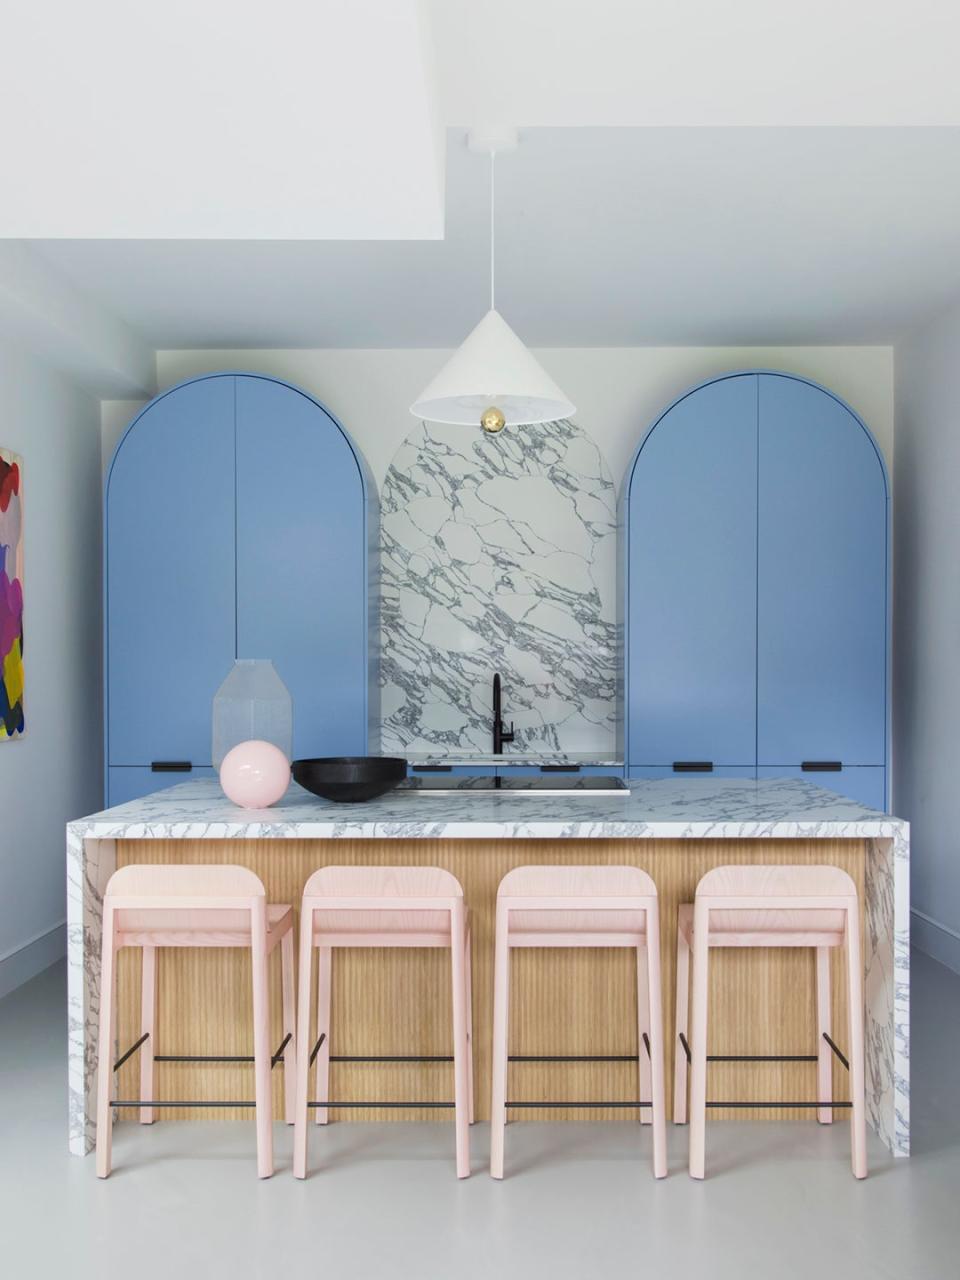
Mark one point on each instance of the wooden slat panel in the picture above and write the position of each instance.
(562, 1001)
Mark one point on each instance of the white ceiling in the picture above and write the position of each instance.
(220, 119)
(606, 237)
(697, 62)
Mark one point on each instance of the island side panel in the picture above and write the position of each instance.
(574, 1002)
(90, 863)
(887, 989)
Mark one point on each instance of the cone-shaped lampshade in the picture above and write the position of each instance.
(492, 367)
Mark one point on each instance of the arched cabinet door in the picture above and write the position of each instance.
(301, 562)
(238, 525)
(821, 580)
(692, 587)
(169, 576)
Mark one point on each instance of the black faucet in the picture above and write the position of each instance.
(500, 735)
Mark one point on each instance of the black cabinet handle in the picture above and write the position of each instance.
(693, 766)
(559, 768)
(822, 766)
(171, 766)
(433, 768)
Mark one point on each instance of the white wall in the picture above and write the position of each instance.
(54, 772)
(618, 390)
(926, 684)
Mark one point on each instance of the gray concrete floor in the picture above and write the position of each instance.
(578, 1200)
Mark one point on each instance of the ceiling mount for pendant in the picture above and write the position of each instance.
(492, 379)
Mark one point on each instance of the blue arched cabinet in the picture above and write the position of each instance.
(754, 560)
(240, 522)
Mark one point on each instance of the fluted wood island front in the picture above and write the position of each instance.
(575, 1002)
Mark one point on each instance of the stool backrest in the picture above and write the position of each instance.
(383, 883)
(143, 896)
(577, 882)
(765, 881)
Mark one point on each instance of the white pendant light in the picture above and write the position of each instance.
(492, 380)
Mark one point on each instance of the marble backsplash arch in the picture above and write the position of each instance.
(498, 553)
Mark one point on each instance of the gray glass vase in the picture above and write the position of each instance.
(253, 702)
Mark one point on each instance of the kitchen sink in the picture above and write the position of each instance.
(535, 786)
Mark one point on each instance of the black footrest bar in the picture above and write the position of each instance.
(333, 1106)
(571, 1057)
(131, 1051)
(780, 1106)
(836, 1051)
(140, 1102)
(395, 1057)
(198, 1057)
(203, 1057)
(316, 1047)
(278, 1056)
(646, 1043)
(575, 1105)
(761, 1057)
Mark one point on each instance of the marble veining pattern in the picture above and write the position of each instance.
(498, 553)
(670, 809)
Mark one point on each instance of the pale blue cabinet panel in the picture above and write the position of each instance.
(866, 785)
(127, 783)
(301, 562)
(691, 512)
(821, 581)
(728, 771)
(169, 575)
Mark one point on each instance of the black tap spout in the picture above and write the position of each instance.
(500, 733)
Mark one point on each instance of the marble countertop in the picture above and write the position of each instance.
(695, 808)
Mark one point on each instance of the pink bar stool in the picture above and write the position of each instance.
(381, 907)
(193, 906)
(581, 907)
(760, 906)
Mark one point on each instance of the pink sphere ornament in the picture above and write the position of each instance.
(255, 774)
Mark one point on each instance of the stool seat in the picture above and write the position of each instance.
(571, 906)
(770, 906)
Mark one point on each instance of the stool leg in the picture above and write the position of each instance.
(698, 1066)
(858, 1126)
(324, 986)
(105, 1048)
(261, 1041)
(643, 1027)
(682, 1020)
(148, 1027)
(468, 969)
(824, 1026)
(289, 1027)
(501, 1019)
(460, 1046)
(655, 1006)
(303, 1043)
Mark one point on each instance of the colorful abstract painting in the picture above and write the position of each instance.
(11, 595)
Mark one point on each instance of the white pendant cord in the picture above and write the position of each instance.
(493, 188)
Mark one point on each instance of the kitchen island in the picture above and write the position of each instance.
(564, 1004)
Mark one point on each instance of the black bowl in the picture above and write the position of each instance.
(348, 779)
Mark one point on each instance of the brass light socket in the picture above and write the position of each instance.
(492, 420)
